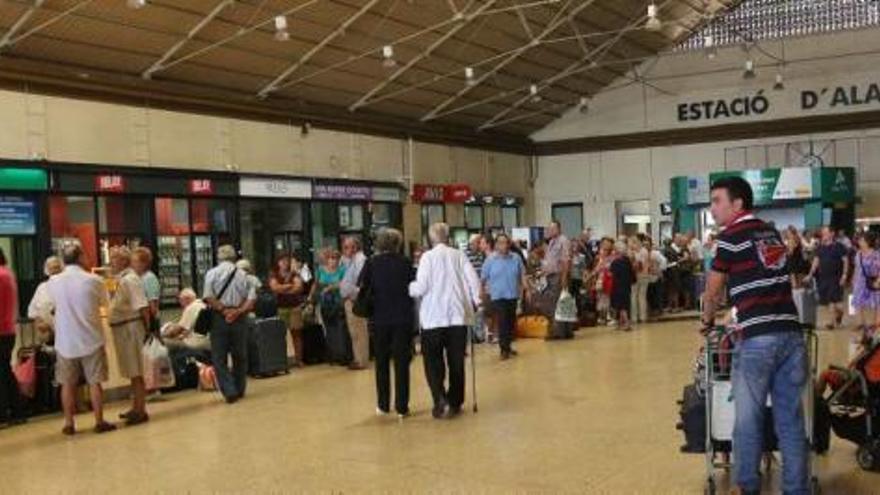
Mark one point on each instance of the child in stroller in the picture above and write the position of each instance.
(848, 402)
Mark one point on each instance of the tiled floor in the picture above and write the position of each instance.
(595, 415)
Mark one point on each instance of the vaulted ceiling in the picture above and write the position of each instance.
(529, 60)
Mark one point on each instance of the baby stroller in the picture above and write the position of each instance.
(852, 410)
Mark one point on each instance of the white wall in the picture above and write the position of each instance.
(599, 179)
(69, 130)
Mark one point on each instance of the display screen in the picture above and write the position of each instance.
(17, 216)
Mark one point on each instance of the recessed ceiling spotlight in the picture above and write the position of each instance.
(281, 33)
(135, 4)
(388, 57)
(469, 76)
(653, 23)
(533, 90)
(749, 70)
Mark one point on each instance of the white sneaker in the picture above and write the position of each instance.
(380, 412)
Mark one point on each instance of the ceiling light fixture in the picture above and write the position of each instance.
(135, 4)
(749, 72)
(469, 76)
(779, 85)
(584, 104)
(388, 57)
(533, 90)
(281, 33)
(711, 48)
(653, 23)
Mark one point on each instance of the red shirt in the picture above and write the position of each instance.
(8, 301)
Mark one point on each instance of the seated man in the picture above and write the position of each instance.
(180, 335)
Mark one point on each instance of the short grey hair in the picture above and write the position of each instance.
(475, 238)
(244, 265)
(226, 253)
(439, 233)
(53, 266)
(353, 239)
(620, 247)
(389, 241)
(188, 293)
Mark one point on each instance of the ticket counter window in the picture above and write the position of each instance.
(72, 220)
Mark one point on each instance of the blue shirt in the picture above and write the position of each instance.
(503, 274)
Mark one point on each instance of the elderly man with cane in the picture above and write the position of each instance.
(449, 289)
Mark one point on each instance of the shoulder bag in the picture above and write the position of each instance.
(203, 322)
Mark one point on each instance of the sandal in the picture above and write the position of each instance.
(104, 427)
(68, 431)
(127, 414)
(135, 419)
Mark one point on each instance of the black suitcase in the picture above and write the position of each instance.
(693, 420)
(267, 348)
(314, 345)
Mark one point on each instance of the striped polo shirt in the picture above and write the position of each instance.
(753, 256)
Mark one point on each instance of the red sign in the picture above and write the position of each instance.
(110, 183)
(201, 187)
(456, 193)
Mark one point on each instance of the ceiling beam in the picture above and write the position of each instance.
(22, 19)
(560, 18)
(463, 20)
(157, 66)
(43, 25)
(593, 56)
(241, 32)
(273, 86)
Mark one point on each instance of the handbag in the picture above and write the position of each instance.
(870, 282)
(363, 303)
(203, 322)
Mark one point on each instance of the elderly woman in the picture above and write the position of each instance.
(325, 293)
(386, 278)
(623, 276)
(449, 289)
(41, 308)
(287, 284)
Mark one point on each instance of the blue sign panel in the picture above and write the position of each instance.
(17, 216)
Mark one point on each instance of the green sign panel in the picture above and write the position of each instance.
(837, 185)
(775, 184)
(23, 179)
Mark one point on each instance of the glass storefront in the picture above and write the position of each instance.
(122, 221)
(271, 227)
(173, 249)
(72, 220)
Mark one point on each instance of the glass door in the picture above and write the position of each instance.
(122, 221)
(288, 243)
(21, 259)
(211, 225)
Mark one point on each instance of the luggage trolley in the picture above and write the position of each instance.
(720, 411)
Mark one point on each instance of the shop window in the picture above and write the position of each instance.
(509, 217)
(571, 217)
(351, 217)
(122, 221)
(431, 213)
(473, 217)
(211, 216)
(173, 250)
(72, 220)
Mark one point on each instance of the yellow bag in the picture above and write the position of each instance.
(532, 327)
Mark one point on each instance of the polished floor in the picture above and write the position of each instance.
(595, 415)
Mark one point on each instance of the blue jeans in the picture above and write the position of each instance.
(774, 365)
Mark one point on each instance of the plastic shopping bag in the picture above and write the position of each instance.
(207, 378)
(566, 308)
(26, 376)
(158, 372)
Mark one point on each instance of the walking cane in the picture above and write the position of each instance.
(473, 368)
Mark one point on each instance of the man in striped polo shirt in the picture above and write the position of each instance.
(771, 358)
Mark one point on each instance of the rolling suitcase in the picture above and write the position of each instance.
(314, 345)
(805, 300)
(267, 348)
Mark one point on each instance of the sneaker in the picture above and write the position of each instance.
(453, 412)
(440, 410)
(381, 412)
(402, 416)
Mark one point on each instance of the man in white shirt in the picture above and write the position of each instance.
(180, 335)
(79, 337)
(354, 259)
(129, 314)
(449, 290)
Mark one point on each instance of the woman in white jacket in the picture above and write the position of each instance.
(449, 290)
(41, 309)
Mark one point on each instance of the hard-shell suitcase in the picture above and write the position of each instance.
(267, 348)
(805, 300)
(314, 345)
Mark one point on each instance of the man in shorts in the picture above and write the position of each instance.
(129, 319)
(830, 270)
(78, 296)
